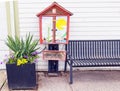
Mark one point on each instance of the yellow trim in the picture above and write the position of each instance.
(8, 18)
(16, 18)
(7, 4)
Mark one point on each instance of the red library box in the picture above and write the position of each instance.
(54, 23)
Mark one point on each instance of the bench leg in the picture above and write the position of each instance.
(65, 67)
(71, 75)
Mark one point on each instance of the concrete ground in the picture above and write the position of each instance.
(83, 81)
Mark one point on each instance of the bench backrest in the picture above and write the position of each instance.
(91, 49)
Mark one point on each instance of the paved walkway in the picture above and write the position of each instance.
(83, 81)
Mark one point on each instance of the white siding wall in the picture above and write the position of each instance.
(3, 34)
(92, 19)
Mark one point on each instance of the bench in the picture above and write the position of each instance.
(92, 53)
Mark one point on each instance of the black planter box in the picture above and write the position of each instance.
(21, 77)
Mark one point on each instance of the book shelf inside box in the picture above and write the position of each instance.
(54, 55)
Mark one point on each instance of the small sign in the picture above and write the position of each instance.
(54, 55)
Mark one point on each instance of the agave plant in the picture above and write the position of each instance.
(24, 51)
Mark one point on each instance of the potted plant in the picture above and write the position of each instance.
(20, 65)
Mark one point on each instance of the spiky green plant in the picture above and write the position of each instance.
(21, 48)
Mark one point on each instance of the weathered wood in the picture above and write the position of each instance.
(2, 78)
(54, 55)
(5, 87)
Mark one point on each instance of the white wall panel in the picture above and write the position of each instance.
(3, 34)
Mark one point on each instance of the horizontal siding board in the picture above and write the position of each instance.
(3, 57)
(96, 33)
(80, 15)
(36, 33)
(3, 25)
(3, 46)
(79, 29)
(101, 17)
(77, 10)
(74, 20)
(101, 37)
(104, 24)
(68, 1)
(81, 37)
(73, 5)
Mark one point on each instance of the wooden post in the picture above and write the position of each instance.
(68, 26)
(40, 27)
(54, 29)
